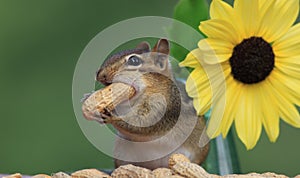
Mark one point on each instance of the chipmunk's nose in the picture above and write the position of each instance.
(102, 77)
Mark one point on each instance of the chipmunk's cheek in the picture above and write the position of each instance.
(133, 79)
(124, 108)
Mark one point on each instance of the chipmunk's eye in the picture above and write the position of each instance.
(134, 61)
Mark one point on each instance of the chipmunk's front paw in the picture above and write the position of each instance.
(102, 117)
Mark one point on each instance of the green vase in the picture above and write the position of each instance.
(222, 158)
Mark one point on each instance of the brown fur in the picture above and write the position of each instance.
(159, 98)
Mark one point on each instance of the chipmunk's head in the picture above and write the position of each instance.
(127, 65)
(156, 95)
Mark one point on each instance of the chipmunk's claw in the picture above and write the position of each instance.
(102, 117)
(85, 96)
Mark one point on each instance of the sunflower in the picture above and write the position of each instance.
(255, 46)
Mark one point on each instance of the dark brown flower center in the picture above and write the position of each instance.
(252, 60)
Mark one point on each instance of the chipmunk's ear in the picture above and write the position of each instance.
(144, 46)
(162, 46)
(161, 50)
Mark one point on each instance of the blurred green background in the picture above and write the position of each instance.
(40, 43)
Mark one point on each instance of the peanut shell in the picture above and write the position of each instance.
(175, 176)
(16, 175)
(89, 173)
(60, 175)
(107, 99)
(41, 176)
(162, 172)
(176, 158)
(191, 170)
(131, 171)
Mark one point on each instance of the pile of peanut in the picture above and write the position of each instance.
(179, 167)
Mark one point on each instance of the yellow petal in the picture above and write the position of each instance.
(287, 110)
(212, 58)
(270, 113)
(288, 87)
(292, 71)
(198, 87)
(264, 5)
(291, 83)
(232, 94)
(288, 52)
(218, 109)
(195, 81)
(290, 61)
(217, 75)
(247, 10)
(290, 38)
(216, 45)
(215, 50)
(220, 10)
(289, 44)
(286, 77)
(278, 18)
(248, 117)
(207, 82)
(220, 29)
(192, 59)
(219, 101)
(202, 104)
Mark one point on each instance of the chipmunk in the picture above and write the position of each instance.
(159, 119)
